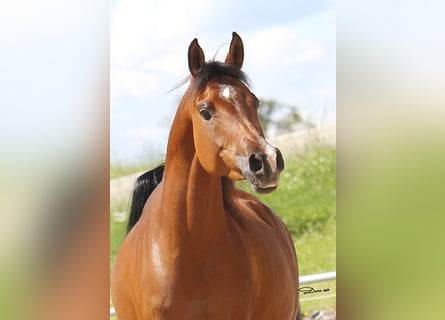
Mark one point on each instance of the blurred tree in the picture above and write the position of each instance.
(278, 118)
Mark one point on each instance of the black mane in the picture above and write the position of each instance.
(144, 186)
(213, 69)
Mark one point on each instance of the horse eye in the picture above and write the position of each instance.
(205, 114)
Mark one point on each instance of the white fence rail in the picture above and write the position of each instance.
(312, 278)
(318, 277)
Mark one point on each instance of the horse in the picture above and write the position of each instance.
(200, 248)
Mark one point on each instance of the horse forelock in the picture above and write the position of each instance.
(214, 69)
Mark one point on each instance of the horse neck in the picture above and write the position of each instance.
(192, 198)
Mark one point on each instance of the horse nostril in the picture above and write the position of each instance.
(280, 161)
(255, 163)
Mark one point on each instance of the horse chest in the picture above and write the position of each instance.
(224, 282)
(200, 288)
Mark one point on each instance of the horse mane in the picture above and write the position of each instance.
(213, 69)
(143, 187)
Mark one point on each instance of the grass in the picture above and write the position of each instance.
(117, 227)
(305, 200)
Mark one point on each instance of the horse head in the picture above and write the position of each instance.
(228, 137)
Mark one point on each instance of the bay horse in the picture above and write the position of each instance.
(200, 248)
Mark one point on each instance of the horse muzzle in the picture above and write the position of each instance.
(263, 169)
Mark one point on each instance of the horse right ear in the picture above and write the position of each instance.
(236, 52)
(196, 57)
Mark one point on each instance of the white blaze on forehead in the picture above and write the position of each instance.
(226, 92)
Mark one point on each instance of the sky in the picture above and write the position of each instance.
(290, 56)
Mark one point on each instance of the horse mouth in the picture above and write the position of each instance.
(263, 190)
(256, 185)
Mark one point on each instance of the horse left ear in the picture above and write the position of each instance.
(196, 57)
(236, 52)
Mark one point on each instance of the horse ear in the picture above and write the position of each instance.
(196, 57)
(236, 51)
